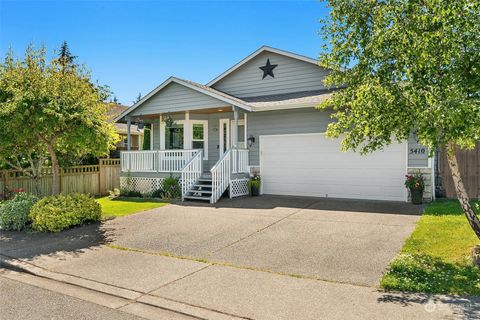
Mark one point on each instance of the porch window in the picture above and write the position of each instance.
(174, 137)
(198, 137)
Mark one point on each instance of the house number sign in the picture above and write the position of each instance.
(418, 150)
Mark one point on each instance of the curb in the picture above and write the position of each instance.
(126, 300)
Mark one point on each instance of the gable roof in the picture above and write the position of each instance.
(256, 53)
(194, 86)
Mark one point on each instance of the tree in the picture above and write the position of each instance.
(51, 108)
(138, 98)
(65, 58)
(405, 66)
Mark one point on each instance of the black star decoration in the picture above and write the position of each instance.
(268, 69)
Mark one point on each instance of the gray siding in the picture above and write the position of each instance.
(304, 120)
(175, 97)
(291, 75)
(307, 120)
(213, 133)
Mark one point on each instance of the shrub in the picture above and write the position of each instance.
(115, 193)
(158, 194)
(130, 193)
(171, 188)
(56, 213)
(14, 213)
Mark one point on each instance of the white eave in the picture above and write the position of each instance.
(194, 86)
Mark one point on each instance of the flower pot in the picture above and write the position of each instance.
(416, 195)
(254, 191)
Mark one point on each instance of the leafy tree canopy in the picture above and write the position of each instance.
(404, 66)
(52, 107)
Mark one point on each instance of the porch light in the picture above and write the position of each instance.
(140, 124)
(220, 110)
(251, 141)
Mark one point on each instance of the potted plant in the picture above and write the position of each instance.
(254, 185)
(416, 184)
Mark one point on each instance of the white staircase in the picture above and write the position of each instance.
(201, 190)
(210, 186)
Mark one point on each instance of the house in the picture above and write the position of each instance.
(259, 115)
(121, 128)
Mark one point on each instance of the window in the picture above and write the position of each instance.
(174, 137)
(198, 137)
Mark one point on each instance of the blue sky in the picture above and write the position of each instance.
(133, 46)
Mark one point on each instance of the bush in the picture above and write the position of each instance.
(56, 213)
(171, 188)
(14, 213)
(130, 193)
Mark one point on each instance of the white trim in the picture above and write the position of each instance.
(245, 130)
(257, 52)
(221, 97)
(151, 135)
(187, 133)
(205, 135)
(241, 122)
(161, 134)
(221, 122)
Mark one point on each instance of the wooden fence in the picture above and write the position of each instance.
(469, 165)
(93, 179)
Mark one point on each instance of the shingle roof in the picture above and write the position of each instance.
(299, 99)
(114, 111)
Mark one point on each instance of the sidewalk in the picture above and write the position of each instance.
(156, 286)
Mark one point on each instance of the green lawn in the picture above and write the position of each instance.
(123, 206)
(436, 256)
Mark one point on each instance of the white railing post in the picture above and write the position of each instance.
(191, 171)
(156, 160)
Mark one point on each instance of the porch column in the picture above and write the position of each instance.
(129, 135)
(235, 127)
(235, 138)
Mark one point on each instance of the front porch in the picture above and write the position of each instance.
(197, 134)
(205, 149)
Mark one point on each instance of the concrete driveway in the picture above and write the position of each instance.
(251, 258)
(344, 241)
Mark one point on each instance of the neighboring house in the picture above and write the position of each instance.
(260, 116)
(121, 128)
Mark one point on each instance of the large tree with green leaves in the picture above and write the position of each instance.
(49, 109)
(405, 66)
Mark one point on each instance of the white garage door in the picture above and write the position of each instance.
(313, 165)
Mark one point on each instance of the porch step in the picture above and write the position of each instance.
(197, 198)
(201, 190)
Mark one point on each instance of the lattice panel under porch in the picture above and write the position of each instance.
(144, 185)
(238, 187)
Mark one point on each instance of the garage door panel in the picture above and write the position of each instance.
(313, 165)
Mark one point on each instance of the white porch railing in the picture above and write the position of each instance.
(233, 161)
(240, 161)
(155, 160)
(221, 172)
(191, 172)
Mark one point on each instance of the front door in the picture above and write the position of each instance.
(226, 134)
